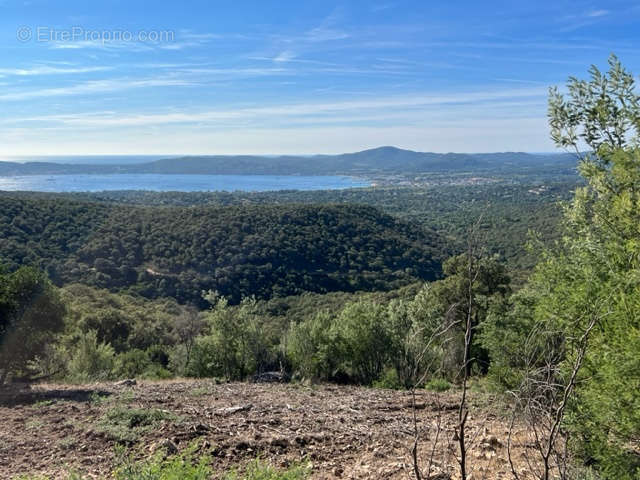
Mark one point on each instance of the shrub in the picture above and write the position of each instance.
(132, 363)
(91, 360)
(310, 347)
(30, 312)
(389, 379)
(260, 471)
(125, 424)
(183, 466)
(438, 385)
(362, 340)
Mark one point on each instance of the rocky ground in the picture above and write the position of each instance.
(344, 432)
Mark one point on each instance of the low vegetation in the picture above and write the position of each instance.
(186, 465)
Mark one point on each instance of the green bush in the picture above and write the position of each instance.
(91, 359)
(183, 466)
(31, 312)
(311, 348)
(389, 379)
(438, 385)
(362, 340)
(132, 363)
(147, 364)
(260, 471)
(125, 424)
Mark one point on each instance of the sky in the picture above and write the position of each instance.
(294, 77)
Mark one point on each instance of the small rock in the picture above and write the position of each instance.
(232, 410)
(167, 445)
(128, 382)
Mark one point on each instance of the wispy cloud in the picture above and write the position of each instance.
(408, 107)
(92, 87)
(289, 47)
(186, 39)
(583, 19)
(144, 42)
(597, 13)
(49, 70)
(285, 56)
(382, 7)
(100, 45)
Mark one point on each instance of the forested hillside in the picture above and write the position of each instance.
(507, 213)
(238, 251)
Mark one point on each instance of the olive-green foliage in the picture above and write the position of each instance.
(601, 112)
(240, 251)
(591, 275)
(400, 342)
(362, 340)
(125, 424)
(509, 325)
(91, 359)
(124, 321)
(438, 385)
(602, 259)
(389, 379)
(30, 313)
(350, 345)
(311, 347)
(445, 304)
(109, 335)
(258, 470)
(239, 342)
(177, 467)
(141, 364)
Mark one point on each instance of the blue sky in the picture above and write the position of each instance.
(207, 77)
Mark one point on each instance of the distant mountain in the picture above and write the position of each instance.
(382, 160)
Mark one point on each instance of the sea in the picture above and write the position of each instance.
(180, 183)
(158, 182)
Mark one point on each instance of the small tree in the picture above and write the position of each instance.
(310, 347)
(188, 326)
(363, 340)
(30, 312)
(578, 378)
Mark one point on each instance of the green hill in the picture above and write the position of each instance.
(262, 250)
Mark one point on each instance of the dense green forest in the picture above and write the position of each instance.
(239, 251)
(509, 213)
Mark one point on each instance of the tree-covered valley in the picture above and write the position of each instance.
(239, 251)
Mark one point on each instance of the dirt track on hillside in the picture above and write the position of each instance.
(345, 432)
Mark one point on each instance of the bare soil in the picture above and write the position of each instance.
(344, 432)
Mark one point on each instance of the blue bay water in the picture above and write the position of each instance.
(182, 183)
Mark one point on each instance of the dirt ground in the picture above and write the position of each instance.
(344, 432)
